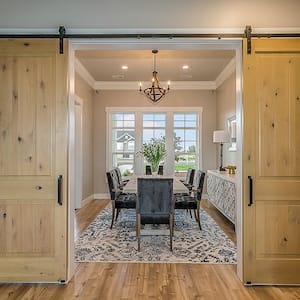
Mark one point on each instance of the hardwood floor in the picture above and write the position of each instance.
(111, 281)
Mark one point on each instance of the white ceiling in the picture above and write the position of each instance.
(105, 66)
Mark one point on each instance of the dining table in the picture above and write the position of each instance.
(131, 186)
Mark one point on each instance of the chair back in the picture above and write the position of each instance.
(198, 184)
(189, 178)
(113, 184)
(155, 201)
(119, 176)
(160, 170)
(148, 170)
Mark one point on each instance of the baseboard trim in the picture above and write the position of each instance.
(87, 200)
(101, 196)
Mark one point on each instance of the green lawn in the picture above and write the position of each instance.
(183, 167)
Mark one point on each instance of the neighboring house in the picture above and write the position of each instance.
(125, 142)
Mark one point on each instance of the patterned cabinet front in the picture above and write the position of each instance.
(221, 190)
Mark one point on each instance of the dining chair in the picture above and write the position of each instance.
(122, 182)
(119, 200)
(192, 202)
(189, 179)
(155, 204)
(148, 170)
(160, 170)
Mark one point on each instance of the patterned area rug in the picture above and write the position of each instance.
(190, 245)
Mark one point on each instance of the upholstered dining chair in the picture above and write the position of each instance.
(119, 199)
(155, 204)
(192, 202)
(189, 178)
(148, 170)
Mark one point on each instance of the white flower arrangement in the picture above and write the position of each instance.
(154, 153)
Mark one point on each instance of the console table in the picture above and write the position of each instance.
(221, 190)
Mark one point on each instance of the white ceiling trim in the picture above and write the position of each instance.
(175, 85)
(227, 71)
(84, 73)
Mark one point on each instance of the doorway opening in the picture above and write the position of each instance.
(182, 44)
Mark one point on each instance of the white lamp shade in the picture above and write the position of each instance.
(221, 136)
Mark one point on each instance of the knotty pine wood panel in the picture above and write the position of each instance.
(278, 225)
(273, 104)
(30, 188)
(7, 109)
(25, 228)
(26, 130)
(295, 115)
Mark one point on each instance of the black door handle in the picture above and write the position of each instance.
(59, 189)
(250, 191)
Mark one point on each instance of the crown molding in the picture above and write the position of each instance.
(175, 85)
(84, 74)
(227, 71)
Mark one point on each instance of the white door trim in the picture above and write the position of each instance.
(78, 151)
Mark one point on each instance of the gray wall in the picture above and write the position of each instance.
(86, 93)
(149, 14)
(205, 99)
(226, 108)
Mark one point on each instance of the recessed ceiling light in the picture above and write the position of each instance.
(185, 67)
(124, 67)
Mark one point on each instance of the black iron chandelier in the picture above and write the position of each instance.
(155, 92)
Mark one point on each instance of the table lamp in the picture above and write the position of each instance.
(221, 137)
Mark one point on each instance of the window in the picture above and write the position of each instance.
(185, 141)
(123, 141)
(154, 126)
(178, 127)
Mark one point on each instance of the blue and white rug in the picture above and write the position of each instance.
(99, 243)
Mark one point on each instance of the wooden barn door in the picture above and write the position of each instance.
(271, 161)
(33, 154)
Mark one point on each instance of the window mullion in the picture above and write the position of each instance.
(138, 160)
(169, 161)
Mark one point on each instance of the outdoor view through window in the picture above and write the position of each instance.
(177, 131)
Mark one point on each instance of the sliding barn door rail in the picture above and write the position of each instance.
(62, 34)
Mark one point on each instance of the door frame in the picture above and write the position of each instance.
(148, 44)
(78, 151)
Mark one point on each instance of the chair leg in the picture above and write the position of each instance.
(118, 211)
(195, 214)
(113, 208)
(198, 215)
(138, 230)
(171, 231)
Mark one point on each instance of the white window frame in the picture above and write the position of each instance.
(197, 128)
(138, 161)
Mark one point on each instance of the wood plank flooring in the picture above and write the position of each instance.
(112, 281)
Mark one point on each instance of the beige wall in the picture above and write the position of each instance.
(205, 99)
(226, 98)
(86, 93)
